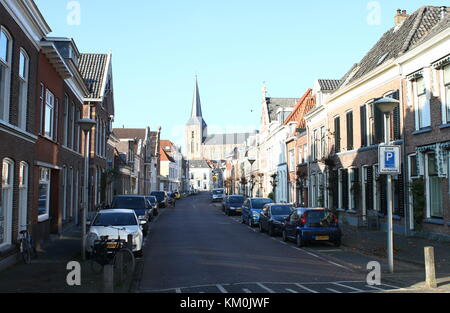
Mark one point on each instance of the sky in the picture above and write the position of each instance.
(233, 46)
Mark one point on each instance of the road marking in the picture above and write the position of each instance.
(246, 291)
(306, 288)
(345, 286)
(376, 288)
(178, 290)
(265, 288)
(339, 265)
(221, 289)
(334, 291)
(282, 242)
(291, 291)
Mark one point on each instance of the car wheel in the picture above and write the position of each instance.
(300, 241)
(285, 238)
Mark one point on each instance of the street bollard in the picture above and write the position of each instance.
(108, 279)
(430, 268)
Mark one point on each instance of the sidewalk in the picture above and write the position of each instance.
(47, 273)
(407, 251)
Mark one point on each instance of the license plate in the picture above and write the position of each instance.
(112, 245)
(322, 238)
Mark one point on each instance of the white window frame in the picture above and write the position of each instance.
(50, 105)
(7, 187)
(420, 122)
(23, 89)
(45, 178)
(23, 196)
(7, 65)
(66, 121)
(445, 87)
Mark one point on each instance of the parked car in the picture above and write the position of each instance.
(161, 196)
(140, 205)
(114, 223)
(251, 210)
(217, 194)
(154, 202)
(232, 205)
(306, 225)
(272, 218)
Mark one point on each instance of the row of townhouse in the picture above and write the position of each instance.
(46, 87)
(322, 150)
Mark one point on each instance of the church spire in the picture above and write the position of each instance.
(196, 104)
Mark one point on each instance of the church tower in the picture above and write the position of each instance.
(196, 128)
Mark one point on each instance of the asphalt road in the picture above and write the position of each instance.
(195, 248)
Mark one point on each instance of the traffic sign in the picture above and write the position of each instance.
(389, 157)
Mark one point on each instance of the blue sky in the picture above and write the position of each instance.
(233, 46)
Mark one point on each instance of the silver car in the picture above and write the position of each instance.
(115, 223)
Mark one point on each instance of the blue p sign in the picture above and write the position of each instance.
(389, 157)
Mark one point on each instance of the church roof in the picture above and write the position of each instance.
(227, 139)
(198, 164)
(196, 114)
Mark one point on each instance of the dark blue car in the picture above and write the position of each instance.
(272, 218)
(312, 225)
(233, 204)
(251, 210)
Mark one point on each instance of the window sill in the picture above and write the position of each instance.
(43, 218)
(435, 221)
(17, 129)
(423, 131)
(443, 126)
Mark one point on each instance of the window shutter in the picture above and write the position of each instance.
(379, 126)
(350, 131)
(369, 189)
(383, 194)
(337, 135)
(345, 189)
(400, 188)
(335, 188)
(363, 126)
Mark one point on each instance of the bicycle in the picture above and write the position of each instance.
(27, 247)
(113, 252)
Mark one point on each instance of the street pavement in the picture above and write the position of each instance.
(195, 248)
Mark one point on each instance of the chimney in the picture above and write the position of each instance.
(400, 17)
(443, 11)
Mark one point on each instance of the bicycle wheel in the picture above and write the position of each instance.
(25, 251)
(124, 271)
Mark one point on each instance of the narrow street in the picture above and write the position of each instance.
(195, 248)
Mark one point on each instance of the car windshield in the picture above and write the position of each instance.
(236, 200)
(151, 199)
(115, 219)
(218, 192)
(281, 210)
(128, 203)
(260, 203)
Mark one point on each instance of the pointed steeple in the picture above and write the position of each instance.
(196, 103)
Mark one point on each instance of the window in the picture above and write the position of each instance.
(23, 89)
(322, 142)
(314, 145)
(446, 70)
(66, 121)
(42, 110)
(5, 74)
(414, 171)
(364, 124)
(292, 160)
(349, 130)
(6, 204)
(422, 106)
(23, 196)
(435, 203)
(44, 194)
(337, 134)
(49, 114)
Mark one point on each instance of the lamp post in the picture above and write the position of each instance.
(387, 106)
(86, 125)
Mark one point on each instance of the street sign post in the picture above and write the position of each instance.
(389, 157)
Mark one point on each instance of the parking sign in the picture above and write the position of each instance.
(389, 160)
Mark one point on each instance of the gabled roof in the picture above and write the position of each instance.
(130, 133)
(198, 164)
(273, 104)
(227, 139)
(329, 84)
(93, 68)
(165, 156)
(304, 105)
(417, 28)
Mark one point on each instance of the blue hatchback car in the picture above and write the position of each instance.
(251, 210)
(306, 225)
